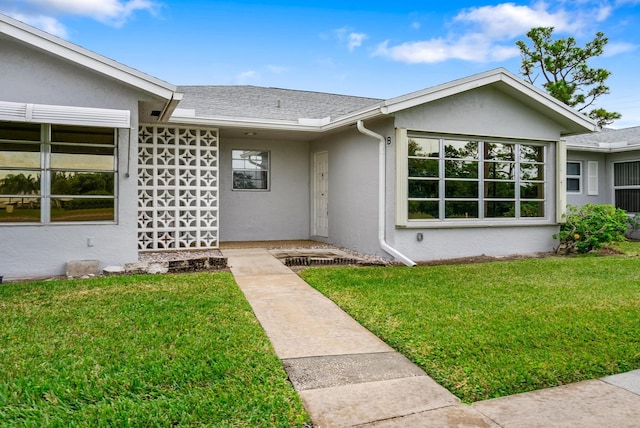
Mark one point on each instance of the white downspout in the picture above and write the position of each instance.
(382, 177)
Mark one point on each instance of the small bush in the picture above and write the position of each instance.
(591, 226)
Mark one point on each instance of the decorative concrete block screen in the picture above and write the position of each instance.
(177, 188)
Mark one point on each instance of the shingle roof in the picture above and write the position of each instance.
(269, 103)
(607, 139)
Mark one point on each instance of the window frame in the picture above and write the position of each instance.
(578, 177)
(481, 220)
(624, 187)
(46, 171)
(267, 170)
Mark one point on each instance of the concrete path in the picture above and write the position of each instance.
(347, 377)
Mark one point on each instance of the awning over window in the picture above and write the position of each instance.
(64, 115)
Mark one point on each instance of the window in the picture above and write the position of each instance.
(450, 179)
(250, 169)
(57, 173)
(574, 177)
(626, 184)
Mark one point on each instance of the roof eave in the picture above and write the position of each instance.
(84, 57)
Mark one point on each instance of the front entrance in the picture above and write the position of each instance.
(321, 194)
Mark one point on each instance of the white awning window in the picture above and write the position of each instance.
(64, 115)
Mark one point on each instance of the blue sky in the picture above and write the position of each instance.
(365, 48)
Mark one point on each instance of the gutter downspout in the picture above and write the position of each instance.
(382, 177)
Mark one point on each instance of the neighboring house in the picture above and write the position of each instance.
(604, 168)
(100, 161)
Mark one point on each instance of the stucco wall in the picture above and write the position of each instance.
(42, 250)
(484, 111)
(280, 213)
(353, 188)
(605, 179)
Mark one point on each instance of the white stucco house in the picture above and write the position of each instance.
(101, 161)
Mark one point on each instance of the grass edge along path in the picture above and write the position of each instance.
(493, 329)
(183, 350)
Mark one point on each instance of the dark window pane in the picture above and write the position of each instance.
(421, 210)
(19, 210)
(82, 183)
(82, 134)
(81, 209)
(19, 131)
(500, 170)
(16, 182)
(461, 189)
(499, 189)
(424, 188)
(532, 190)
(531, 171)
(424, 147)
(499, 209)
(460, 169)
(573, 168)
(256, 180)
(626, 174)
(531, 153)
(461, 209)
(423, 167)
(573, 184)
(532, 209)
(500, 151)
(628, 200)
(461, 149)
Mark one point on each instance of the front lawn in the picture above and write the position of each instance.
(493, 329)
(139, 351)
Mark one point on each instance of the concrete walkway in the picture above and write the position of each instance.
(347, 377)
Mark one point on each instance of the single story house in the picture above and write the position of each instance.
(101, 161)
(604, 168)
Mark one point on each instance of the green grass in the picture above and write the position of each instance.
(183, 350)
(493, 329)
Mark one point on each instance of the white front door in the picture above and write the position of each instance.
(321, 194)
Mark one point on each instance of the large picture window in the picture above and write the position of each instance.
(626, 183)
(57, 173)
(452, 179)
(250, 169)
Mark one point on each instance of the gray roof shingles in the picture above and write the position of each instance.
(269, 103)
(631, 136)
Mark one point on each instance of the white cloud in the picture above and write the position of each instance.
(247, 76)
(45, 14)
(488, 33)
(350, 38)
(355, 40)
(277, 69)
(612, 49)
(45, 23)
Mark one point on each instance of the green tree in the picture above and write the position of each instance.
(563, 66)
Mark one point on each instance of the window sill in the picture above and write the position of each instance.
(469, 224)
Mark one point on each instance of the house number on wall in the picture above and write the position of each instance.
(388, 141)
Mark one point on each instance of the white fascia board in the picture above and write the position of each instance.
(188, 116)
(85, 57)
(183, 117)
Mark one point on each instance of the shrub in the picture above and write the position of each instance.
(591, 226)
